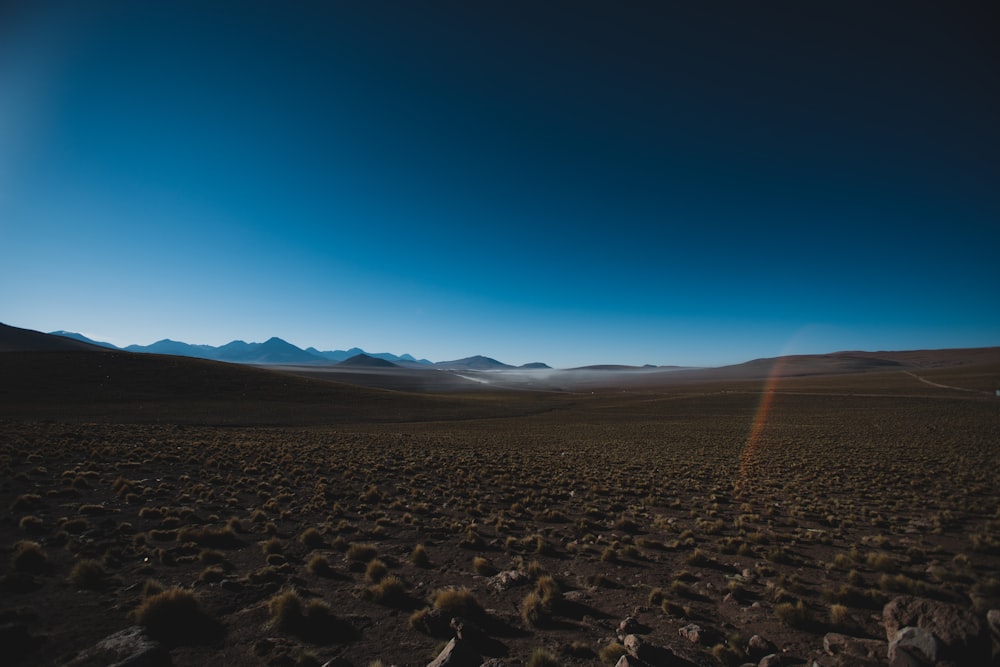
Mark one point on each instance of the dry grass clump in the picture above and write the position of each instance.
(534, 611)
(31, 524)
(483, 566)
(88, 574)
(361, 553)
(312, 620)
(611, 653)
(376, 571)
(795, 615)
(389, 591)
(29, 557)
(174, 616)
(456, 602)
(320, 566)
(26, 501)
(840, 617)
(419, 556)
(542, 658)
(312, 538)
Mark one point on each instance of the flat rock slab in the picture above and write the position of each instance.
(961, 634)
(131, 647)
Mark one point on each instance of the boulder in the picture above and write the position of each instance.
(773, 660)
(457, 653)
(629, 661)
(130, 647)
(918, 644)
(961, 635)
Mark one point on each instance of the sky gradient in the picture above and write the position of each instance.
(663, 183)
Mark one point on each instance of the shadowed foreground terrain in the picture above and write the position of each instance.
(245, 516)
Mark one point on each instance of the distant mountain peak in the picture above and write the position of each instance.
(276, 350)
(477, 362)
(367, 361)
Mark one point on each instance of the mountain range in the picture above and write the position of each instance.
(277, 351)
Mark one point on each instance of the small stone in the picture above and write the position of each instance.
(835, 643)
(757, 647)
(629, 626)
(773, 660)
(691, 632)
(917, 643)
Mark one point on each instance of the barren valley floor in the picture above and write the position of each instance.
(543, 520)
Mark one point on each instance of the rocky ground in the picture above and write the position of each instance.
(684, 529)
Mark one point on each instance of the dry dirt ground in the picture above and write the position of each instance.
(784, 510)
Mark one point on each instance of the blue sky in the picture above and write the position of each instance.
(665, 183)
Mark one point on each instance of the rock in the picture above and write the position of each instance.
(465, 630)
(757, 647)
(131, 647)
(494, 662)
(773, 660)
(629, 661)
(339, 661)
(835, 643)
(507, 579)
(917, 643)
(646, 653)
(638, 647)
(993, 623)
(961, 635)
(629, 626)
(691, 632)
(457, 653)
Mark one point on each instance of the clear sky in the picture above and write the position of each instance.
(569, 182)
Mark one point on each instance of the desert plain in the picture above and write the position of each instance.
(251, 516)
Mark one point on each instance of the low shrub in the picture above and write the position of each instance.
(175, 617)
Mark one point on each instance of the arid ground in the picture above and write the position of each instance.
(252, 517)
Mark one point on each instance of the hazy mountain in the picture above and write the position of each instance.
(278, 351)
(83, 339)
(342, 355)
(176, 348)
(272, 351)
(535, 365)
(367, 361)
(476, 363)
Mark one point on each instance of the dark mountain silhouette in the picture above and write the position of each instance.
(272, 351)
(342, 355)
(175, 348)
(13, 339)
(84, 339)
(476, 363)
(367, 361)
(276, 351)
(535, 365)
